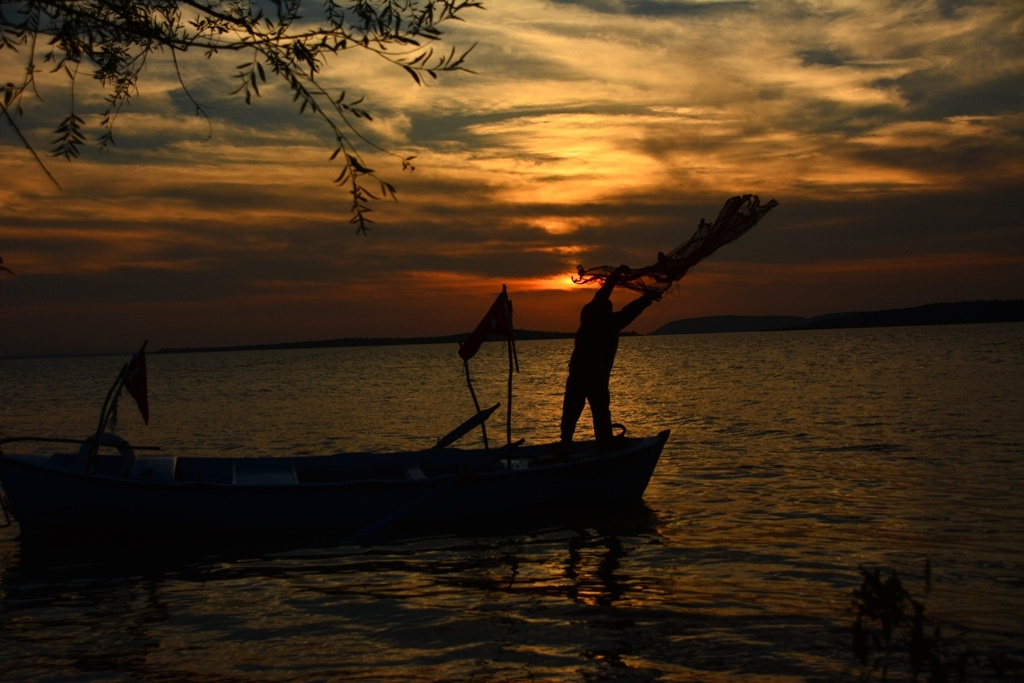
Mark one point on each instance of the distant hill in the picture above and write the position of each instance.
(521, 335)
(960, 313)
(731, 323)
(933, 314)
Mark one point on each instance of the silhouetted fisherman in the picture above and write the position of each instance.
(593, 355)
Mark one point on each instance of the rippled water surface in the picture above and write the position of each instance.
(795, 459)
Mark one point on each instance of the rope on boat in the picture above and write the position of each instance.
(47, 439)
(44, 439)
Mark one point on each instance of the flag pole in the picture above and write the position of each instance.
(508, 344)
(497, 319)
(508, 418)
(513, 361)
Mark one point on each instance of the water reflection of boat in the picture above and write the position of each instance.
(125, 495)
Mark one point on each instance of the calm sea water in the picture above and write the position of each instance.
(795, 459)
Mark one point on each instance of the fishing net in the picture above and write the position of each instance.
(739, 215)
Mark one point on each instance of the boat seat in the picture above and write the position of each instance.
(64, 461)
(199, 470)
(264, 471)
(153, 468)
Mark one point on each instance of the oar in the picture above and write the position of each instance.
(467, 426)
(390, 518)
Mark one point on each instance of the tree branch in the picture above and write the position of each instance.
(116, 37)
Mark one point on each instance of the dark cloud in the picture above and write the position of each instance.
(897, 226)
(824, 57)
(936, 94)
(594, 137)
(662, 8)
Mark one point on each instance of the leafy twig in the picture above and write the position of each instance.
(114, 39)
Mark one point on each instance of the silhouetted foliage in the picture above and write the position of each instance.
(892, 633)
(287, 40)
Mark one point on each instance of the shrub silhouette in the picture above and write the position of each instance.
(893, 635)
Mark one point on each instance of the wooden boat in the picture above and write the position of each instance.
(127, 495)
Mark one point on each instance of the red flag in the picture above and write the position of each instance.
(498, 321)
(135, 382)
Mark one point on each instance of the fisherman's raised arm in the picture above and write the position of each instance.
(633, 309)
(605, 292)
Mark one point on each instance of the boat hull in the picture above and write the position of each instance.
(174, 498)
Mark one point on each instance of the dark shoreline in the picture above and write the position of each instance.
(521, 335)
(959, 313)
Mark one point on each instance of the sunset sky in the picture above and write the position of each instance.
(592, 132)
